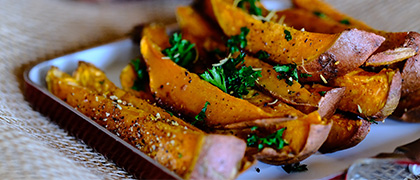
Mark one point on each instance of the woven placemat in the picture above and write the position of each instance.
(31, 146)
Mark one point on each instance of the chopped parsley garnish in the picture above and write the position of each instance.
(287, 35)
(262, 55)
(237, 42)
(216, 76)
(274, 140)
(320, 14)
(202, 115)
(289, 72)
(226, 76)
(230, 79)
(345, 21)
(253, 9)
(296, 167)
(142, 75)
(371, 121)
(240, 80)
(322, 93)
(181, 51)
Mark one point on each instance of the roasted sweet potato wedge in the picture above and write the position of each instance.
(326, 55)
(186, 93)
(302, 136)
(345, 133)
(369, 94)
(181, 148)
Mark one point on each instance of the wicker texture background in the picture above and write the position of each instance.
(31, 147)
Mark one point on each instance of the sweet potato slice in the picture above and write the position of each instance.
(369, 94)
(271, 105)
(303, 136)
(93, 78)
(345, 133)
(184, 92)
(187, 151)
(327, 55)
(292, 94)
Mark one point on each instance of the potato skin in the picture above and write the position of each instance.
(411, 75)
(345, 133)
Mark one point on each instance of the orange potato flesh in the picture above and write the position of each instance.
(91, 77)
(369, 94)
(186, 93)
(291, 94)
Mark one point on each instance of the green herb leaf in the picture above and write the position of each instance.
(202, 115)
(345, 21)
(287, 35)
(262, 55)
(241, 79)
(237, 42)
(305, 75)
(296, 167)
(215, 76)
(274, 140)
(253, 9)
(320, 14)
(142, 75)
(288, 72)
(181, 51)
(322, 93)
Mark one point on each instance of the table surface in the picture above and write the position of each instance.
(34, 31)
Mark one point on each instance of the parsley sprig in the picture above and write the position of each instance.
(273, 140)
(289, 73)
(253, 8)
(216, 76)
(237, 42)
(141, 72)
(181, 51)
(202, 115)
(226, 76)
